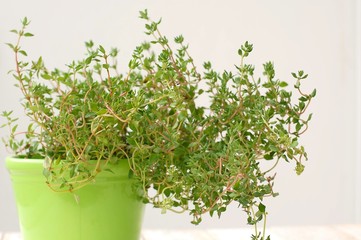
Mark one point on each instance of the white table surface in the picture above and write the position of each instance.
(336, 232)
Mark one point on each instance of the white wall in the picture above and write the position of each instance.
(317, 36)
(358, 80)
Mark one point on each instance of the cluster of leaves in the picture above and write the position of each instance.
(185, 157)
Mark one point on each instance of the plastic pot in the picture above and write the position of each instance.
(107, 209)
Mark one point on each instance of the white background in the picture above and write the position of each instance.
(318, 36)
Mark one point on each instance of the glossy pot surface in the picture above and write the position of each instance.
(107, 209)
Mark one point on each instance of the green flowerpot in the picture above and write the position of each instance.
(106, 209)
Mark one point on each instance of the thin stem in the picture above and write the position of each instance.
(264, 226)
(273, 167)
(255, 224)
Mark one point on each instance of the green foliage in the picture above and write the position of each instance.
(197, 159)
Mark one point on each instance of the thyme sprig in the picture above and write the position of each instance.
(185, 157)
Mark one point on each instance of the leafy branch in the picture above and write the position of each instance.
(185, 157)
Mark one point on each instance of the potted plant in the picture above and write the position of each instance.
(142, 137)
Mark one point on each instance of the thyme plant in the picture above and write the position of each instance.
(185, 157)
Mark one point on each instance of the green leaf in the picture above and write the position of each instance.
(275, 194)
(133, 64)
(305, 76)
(207, 65)
(133, 125)
(268, 156)
(25, 21)
(130, 174)
(240, 52)
(273, 148)
(313, 94)
(28, 34)
(179, 39)
(89, 44)
(109, 170)
(46, 172)
(262, 208)
(220, 211)
(144, 14)
(11, 46)
(131, 142)
(23, 52)
(283, 84)
(294, 144)
(309, 117)
(13, 129)
(299, 168)
(101, 49)
(88, 60)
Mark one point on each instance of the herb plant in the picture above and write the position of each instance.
(185, 157)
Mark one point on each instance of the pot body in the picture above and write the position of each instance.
(107, 209)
